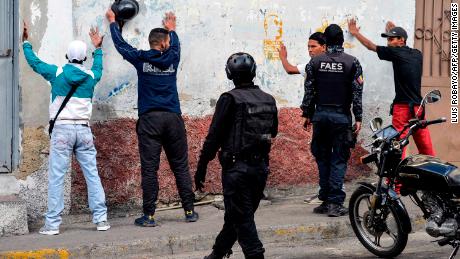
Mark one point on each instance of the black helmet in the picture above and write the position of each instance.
(125, 10)
(240, 65)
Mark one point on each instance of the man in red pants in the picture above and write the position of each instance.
(402, 113)
(407, 68)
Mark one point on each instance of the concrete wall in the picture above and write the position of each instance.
(209, 31)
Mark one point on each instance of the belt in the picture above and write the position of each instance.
(337, 109)
(72, 122)
(252, 158)
(155, 110)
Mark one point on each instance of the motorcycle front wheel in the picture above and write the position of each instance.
(385, 236)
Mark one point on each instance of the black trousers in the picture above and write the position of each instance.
(331, 143)
(155, 130)
(243, 186)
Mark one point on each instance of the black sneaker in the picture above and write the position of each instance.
(336, 210)
(191, 216)
(321, 209)
(145, 221)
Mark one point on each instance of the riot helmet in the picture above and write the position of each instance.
(125, 10)
(241, 66)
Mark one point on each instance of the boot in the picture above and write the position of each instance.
(257, 256)
(321, 209)
(336, 210)
(216, 255)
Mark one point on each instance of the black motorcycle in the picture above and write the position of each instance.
(377, 214)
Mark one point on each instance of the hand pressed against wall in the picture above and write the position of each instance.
(25, 32)
(169, 22)
(96, 38)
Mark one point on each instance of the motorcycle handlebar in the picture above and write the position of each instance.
(420, 124)
(440, 120)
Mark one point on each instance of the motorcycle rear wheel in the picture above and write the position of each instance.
(389, 226)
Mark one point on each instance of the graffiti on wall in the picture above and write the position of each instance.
(273, 27)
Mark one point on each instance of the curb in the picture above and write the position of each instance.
(170, 245)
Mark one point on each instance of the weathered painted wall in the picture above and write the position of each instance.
(212, 30)
(209, 31)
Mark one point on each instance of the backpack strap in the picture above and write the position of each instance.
(66, 100)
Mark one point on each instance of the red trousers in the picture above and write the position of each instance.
(401, 116)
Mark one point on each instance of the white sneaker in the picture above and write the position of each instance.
(102, 226)
(45, 230)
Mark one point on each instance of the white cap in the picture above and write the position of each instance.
(76, 50)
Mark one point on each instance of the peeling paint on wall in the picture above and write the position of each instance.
(58, 32)
(33, 154)
(36, 13)
(50, 30)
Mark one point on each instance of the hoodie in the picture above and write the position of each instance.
(61, 80)
(156, 72)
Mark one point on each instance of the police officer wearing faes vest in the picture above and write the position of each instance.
(244, 122)
(334, 83)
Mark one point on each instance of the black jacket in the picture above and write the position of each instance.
(222, 124)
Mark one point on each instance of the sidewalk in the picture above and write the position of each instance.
(278, 220)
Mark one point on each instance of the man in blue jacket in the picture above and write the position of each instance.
(160, 122)
(71, 133)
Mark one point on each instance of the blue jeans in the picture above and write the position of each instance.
(65, 140)
(331, 147)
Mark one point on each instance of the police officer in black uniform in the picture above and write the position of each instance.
(334, 82)
(244, 122)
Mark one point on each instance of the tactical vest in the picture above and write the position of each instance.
(251, 133)
(333, 79)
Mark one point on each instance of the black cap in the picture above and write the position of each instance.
(334, 35)
(395, 32)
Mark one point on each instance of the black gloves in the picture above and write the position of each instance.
(200, 175)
